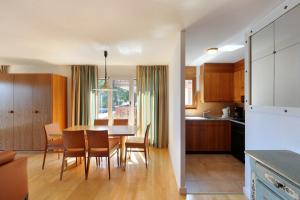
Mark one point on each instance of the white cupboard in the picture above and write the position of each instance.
(287, 29)
(287, 77)
(275, 62)
(263, 81)
(262, 43)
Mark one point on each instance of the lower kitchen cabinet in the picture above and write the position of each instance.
(238, 141)
(208, 136)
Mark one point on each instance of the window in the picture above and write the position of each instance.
(116, 104)
(121, 102)
(102, 102)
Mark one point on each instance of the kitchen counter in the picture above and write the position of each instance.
(213, 119)
(285, 163)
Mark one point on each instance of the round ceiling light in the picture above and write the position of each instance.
(212, 50)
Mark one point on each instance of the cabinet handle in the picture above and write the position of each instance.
(36, 111)
(282, 187)
(11, 111)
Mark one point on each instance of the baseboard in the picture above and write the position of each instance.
(182, 190)
(247, 192)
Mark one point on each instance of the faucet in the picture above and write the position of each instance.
(204, 113)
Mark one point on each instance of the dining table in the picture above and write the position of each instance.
(122, 131)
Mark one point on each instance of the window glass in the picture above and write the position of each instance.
(102, 102)
(188, 92)
(120, 99)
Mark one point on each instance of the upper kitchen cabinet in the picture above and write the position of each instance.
(262, 82)
(238, 81)
(216, 82)
(262, 43)
(287, 82)
(287, 29)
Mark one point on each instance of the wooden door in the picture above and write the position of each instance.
(6, 112)
(41, 105)
(23, 111)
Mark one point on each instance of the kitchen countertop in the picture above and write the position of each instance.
(213, 119)
(285, 163)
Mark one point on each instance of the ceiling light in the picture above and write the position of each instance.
(212, 50)
(230, 48)
(106, 85)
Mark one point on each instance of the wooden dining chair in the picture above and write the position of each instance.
(139, 144)
(53, 140)
(100, 146)
(120, 122)
(101, 122)
(74, 147)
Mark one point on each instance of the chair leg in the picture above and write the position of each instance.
(118, 157)
(108, 162)
(145, 151)
(125, 161)
(96, 158)
(62, 166)
(85, 167)
(76, 161)
(44, 160)
(148, 152)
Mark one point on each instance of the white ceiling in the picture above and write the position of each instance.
(134, 31)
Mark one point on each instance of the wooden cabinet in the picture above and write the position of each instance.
(216, 82)
(238, 81)
(30, 101)
(208, 136)
(6, 109)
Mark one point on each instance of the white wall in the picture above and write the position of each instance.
(269, 127)
(176, 112)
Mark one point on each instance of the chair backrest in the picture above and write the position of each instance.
(101, 122)
(146, 139)
(51, 129)
(97, 139)
(121, 122)
(73, 139)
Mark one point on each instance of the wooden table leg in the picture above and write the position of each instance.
(122, 153)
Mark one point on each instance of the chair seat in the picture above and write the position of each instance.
(55, 142)
(135, 142)
(75, 152)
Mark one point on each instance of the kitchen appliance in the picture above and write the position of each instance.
(226, 112)
(238, 113)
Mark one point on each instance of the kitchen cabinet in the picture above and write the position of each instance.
(216, 82)
(287, 29)
(208, 136)
(29, 102)
(262, 43)
(262, 82)
(238, 81)
(238, 141)
(287, 81)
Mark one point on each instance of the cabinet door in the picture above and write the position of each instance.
(238, 82)
(262, 43)
(287, 81)
(6, 116)
(218, 87)
(41, 105)
(264, 193)
(287, 29)
(262, 81)
(23, 111)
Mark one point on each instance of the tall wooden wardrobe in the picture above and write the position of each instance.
(27, 102)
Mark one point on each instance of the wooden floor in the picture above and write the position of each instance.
(157, 182)
(212, 173)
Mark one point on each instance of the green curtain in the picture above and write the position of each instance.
(84, 80)
(4, 69)
(152, 100)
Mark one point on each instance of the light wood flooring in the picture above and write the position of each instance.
(210, 173)
(157, 182)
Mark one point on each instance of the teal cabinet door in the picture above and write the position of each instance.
(264, 193)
